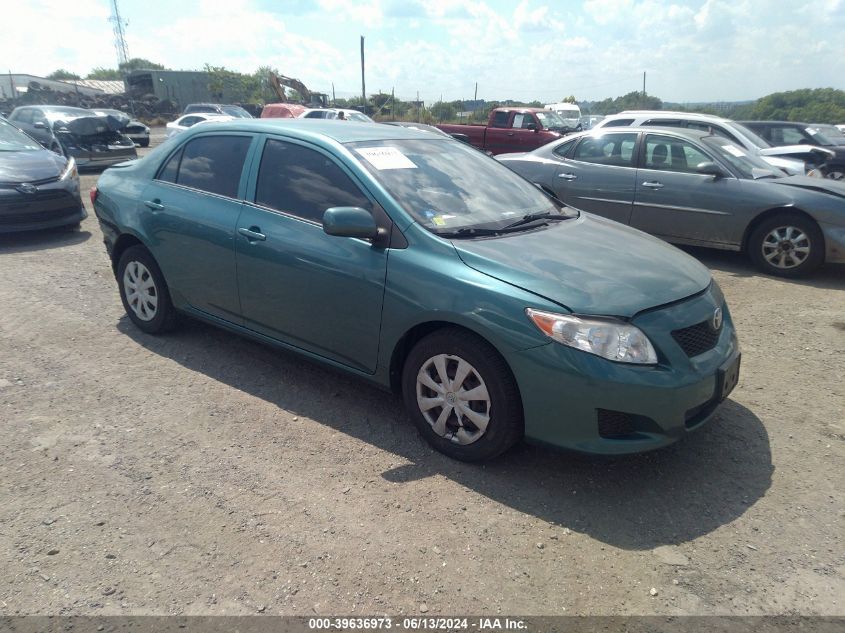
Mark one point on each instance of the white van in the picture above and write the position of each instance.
(569, 112)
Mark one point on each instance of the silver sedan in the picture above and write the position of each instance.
(693, 187)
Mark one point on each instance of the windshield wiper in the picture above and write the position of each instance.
(532, 217)
(469, 231)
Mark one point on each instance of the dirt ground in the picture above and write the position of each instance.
(201, 473)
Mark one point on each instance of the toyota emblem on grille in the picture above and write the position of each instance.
(717, 319)
(26, 188)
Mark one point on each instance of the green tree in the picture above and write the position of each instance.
(631, 101)
(819, 105)
(139, 63)
(104, 74)
(61, 73)
(570, 99)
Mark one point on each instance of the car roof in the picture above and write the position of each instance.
(321, 129)
(773, 122)
(677, 131)
(670, 114)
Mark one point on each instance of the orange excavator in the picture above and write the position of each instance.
(311, 99)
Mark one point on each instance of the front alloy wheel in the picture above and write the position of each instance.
(461, 395)
(787, 245)
(453, 398)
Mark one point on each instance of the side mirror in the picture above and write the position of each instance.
(40, 125)
(709, 168)
(350, 222)
(532, 127)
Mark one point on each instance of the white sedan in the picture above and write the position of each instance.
(188, 120)
(334, 113)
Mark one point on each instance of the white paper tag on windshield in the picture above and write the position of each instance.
(386, 158)
(733, 149)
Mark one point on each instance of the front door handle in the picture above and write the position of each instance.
(567, 176)
(510, 133)
(653, 184)
(253, 234)
(155, 205)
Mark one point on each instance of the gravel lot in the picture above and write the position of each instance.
(201, 473)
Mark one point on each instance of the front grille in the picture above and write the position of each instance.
(8, 219)
(697, 339)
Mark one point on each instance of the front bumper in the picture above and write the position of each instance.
(53, 204)
(570, 397)
(834, 239)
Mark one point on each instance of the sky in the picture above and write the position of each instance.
(545, 50)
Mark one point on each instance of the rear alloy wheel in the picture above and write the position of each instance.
(144, 292)
(461, 396)
(787, 245)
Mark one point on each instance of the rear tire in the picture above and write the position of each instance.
(144, 292)
(461, 395)
(787, 245)
(144, 143)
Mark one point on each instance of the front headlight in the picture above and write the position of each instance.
(609, 339)
(70, 170)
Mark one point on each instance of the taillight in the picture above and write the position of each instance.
(93, 193)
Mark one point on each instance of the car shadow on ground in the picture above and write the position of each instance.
(829, 276)
(41, 240)
(635, 502)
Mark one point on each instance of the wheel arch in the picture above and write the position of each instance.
(413, 335)
(765, 215)
(123, 242)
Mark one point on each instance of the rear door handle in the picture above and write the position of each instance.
(253, 234)
(653, 184)
(155, 205)
(567, 176)
(510, 133)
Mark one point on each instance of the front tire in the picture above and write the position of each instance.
(787, 245)
(144, 292)
(461, 396)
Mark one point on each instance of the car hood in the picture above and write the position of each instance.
(794, 150)
(590, 265)
(820, 185)
(30, 166)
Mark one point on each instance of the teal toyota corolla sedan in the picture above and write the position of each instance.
(418, 263)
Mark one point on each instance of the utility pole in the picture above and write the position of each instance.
(419, 114)
(393, 103)
(363, 85)
(334, 101)
(644, 90)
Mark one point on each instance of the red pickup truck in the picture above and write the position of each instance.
(511, 130)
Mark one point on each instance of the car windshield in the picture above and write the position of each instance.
(13, 140)
(237, 112)
(447, 186)
(65, 114)
(752, 136)
(818, 136)
(357, 116)
(748, 165)
(551, 120)
(831, 132)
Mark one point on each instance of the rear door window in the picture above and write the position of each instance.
(213, 164)
(668, 153)
(304, 182)
(608, 149)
